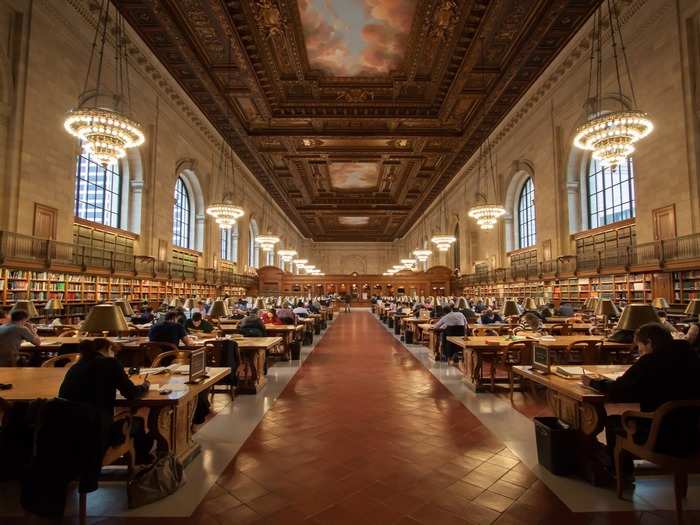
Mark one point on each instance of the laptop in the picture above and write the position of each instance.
(198, 367)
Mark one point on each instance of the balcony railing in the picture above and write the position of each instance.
(655, 254)
(18, 248)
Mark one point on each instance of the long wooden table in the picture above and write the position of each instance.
(473, 347)
(253, 351)
(579, 406)
(168, 417)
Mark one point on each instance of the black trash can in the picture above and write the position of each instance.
(397, 327)
(556, 445)
(408, 337)
(390, 322)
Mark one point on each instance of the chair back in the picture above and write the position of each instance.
(675, 429)
(61, 361)
(144, 355)
(518, 353)
(216, 351)
(583, 352)
(172, 357)
(454, 330)
(481, 331)
(561, 329)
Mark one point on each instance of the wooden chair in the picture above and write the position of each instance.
(482, 331)
(516, 353)
(113, 455)
(561, 329)
(579, 353)
(679, 467)
(65, 360)
(216, 356)
(172, 357)
(144, 355)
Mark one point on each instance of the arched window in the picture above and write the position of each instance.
(527, 235)
(98, 192)
(610, 193)
(229, 244)
(253, 249)
(182, 216)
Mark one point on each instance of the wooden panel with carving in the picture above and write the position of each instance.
(369, 117)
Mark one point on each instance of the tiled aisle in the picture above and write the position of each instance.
(364, 434)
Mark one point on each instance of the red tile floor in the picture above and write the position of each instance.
(363, 434)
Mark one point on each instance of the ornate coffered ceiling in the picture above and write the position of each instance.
(355, 114)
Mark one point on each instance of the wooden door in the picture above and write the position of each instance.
(664, 222)
(44, 221)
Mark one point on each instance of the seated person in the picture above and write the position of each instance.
(12, 334)
(199, 324)
(274, 319)
(450, 323)
(251, 325)
(266, 315)
(285, 314)
(315, 307)
(667, 370)
(565, 310)
(488, 316)
(547, 311)
(666, 323)
(479, 307)
(145, 317)
(170, 331)
(530, 322)
(95, 379)
(693, 337)
(4, 316)
(300, 310)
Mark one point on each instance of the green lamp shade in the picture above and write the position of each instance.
(606, 307)
(693, 307)
(27, 306)
(105, 318)
(510, 308)
(635, 315)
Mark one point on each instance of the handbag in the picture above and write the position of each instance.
(155, 481)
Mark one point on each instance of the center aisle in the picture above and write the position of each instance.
(364, 434)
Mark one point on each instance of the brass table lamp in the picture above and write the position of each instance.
(530, 304)
(607, 309)
(218, 309)
(660, 303)
(510, 308)
(635, 315)
(105, 319)
(27, 306)
(693, 308)
(125, 307)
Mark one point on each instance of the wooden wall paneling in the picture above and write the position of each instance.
(45, 224)
(662, 286)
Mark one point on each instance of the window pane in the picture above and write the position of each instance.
(610, 193)
(181, 216)
(526, 215)
(98, 192)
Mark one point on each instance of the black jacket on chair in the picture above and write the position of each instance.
(449, 349)
(67, 447)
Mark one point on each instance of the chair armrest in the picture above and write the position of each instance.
(627, 420)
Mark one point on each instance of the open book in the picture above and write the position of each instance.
(570, 372)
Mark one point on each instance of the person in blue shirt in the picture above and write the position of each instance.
(170, 331)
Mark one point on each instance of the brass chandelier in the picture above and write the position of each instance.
(443, 241)
(268, 240)
(225, 212)
(487, 213)
(100, 120)
(610, 135)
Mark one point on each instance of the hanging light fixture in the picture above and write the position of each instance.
(443, 241)
(286, 255)
(299, 262)
(100, 121)
(422, 255)
(268, 240)
(610, 135)
(487, 213)
(408, 263)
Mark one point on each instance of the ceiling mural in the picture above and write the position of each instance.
(353, 175)
(356, 37)
(355, 108)
(353, 221)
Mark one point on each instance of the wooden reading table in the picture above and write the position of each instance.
(168, 417)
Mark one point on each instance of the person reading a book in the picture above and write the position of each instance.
(667, 370)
